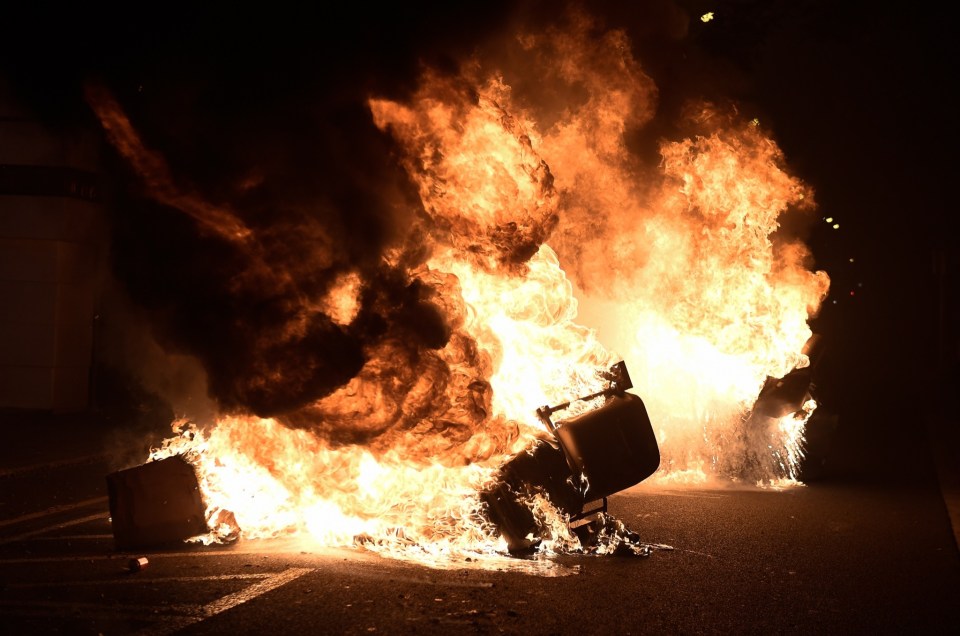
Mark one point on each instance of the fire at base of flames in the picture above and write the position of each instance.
(539, 243)
(533, 504)
(386, 496)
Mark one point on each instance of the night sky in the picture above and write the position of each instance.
(859, 96)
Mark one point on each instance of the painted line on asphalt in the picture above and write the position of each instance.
(51, 528)
(174, 617)
(52, 511)
(76, 537)
(228, 602)
(238, 598)
(153, 556)
(45, 609)
(9, 472)
(151, 581)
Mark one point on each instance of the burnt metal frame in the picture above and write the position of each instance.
(619, 381)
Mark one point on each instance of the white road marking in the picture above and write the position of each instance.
(87, 611)
(76, 537)
(153, 556)
(237, 598)
(51, 528)
(45, 609)
(52, 511)
(153, 580)
(227, 602)
(173, 617)
(8, 472)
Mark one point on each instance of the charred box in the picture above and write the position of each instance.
(155, 504)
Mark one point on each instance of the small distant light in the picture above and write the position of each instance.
(860, 285)
(706, 17)
(851, 260)
(852, 293)
(834, 302)
(829, 219)
(755, 121)
(836, 226)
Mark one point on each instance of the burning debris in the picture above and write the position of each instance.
(606, 445)
(785, 413)
(380, 379)
(591, 455)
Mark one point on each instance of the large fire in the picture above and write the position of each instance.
(544, 251)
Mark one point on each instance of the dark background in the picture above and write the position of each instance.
(859, 95)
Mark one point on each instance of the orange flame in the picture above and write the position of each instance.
(548, 246)
(155, 171)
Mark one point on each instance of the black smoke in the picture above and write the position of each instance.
(261, 114)
(262, 110)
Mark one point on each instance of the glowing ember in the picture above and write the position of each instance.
(543, 243)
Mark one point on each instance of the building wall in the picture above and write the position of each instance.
(51, 252)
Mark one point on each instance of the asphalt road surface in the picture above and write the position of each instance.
(836, 556)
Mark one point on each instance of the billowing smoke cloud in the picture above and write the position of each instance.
(306, 200)
(243, 300)
(271, 232)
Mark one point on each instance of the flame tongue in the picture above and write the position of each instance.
(278, 481)
(487, 192)
(681, 266)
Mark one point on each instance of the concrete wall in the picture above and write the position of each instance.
(52, 242)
